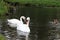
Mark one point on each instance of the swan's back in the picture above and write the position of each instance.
(23, 27)
(14, 22)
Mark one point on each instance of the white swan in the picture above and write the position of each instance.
(14, 22)
(23, 29)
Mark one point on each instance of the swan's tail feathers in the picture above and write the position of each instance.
(8, 20)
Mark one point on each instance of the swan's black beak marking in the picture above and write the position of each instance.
(24, 21)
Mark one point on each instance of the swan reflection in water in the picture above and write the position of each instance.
(22, 29)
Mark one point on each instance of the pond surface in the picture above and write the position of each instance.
(38, 23)
(11, 34)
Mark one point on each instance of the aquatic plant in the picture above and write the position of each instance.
(2, 37)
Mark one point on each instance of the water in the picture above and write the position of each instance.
(11, 34)
(38, 23)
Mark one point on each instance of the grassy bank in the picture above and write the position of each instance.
(2, 37)
(38, 2)
(3, 7)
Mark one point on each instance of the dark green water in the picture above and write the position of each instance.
(39, 19)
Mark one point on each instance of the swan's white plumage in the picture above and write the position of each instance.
(22, 29)
(19, 24)
(14, 22)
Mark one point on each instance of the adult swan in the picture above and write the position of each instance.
(14, 22)
(24, 29)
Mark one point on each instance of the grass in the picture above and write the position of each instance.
(36, 2)
(3, 8)
(2, 37)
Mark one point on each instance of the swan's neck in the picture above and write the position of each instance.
(21, 19)
(27, 23)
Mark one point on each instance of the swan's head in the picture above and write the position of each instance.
(28, 21)
(28, 18)
(22, 17)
